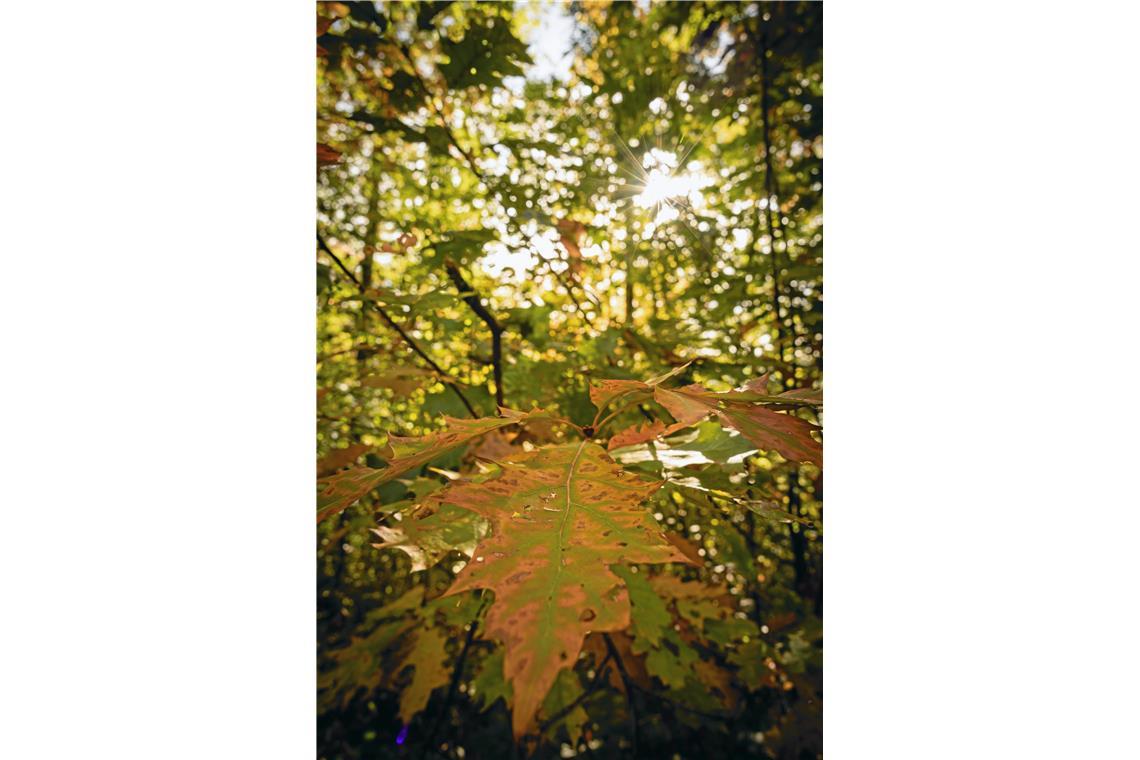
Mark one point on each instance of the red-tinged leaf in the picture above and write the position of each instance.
(634, 435)
(327, 156)
(684, 407)
(768, 430)
(343, 489)
(338, 458)
(560, 517)
(740, 409)
(758, 384)
(810, 395)
(775, 431)
(495, 446)
(604, 391)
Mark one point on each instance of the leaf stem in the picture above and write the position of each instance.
(599, 425)
(456, 674)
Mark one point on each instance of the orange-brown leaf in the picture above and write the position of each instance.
(769, 430)
(341, 490)
(560, 517)
(338, 458)
(634, 435)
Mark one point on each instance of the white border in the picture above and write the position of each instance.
(159, 440)
(980, 269)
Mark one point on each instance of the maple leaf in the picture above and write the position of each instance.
(650, 431)
(769, 430)
(668, 648)
(488, 684)
(338, 458)
(427, 656)
(361, 663)
(666, 656)
(341, 490)
(560, 517)
(560, 701)
(603, 392)
(741, 410)
(809, 395)
(430, 538)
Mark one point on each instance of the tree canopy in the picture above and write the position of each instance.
(569, 413)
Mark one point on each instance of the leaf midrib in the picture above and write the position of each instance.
(548, 617)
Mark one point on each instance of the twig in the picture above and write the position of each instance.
(472, 299)
(625, 679)
(445, 376)
(772, 190)
(474, 168)
(678, 706)
(456, 675)
(598, 680)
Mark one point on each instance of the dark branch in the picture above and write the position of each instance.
(625, 679)
(456, 675)
(599, 678)
(445, 376)
(473, 167)
(472, 299)
(677, 705)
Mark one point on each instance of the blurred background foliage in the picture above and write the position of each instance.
(625, 187)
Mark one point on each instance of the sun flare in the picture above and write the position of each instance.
(663, 183)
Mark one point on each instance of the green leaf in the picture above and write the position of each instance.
(427, 657)
(484, 56)
(650, 616)
(430, 538)
(566, 688)
(489, 684)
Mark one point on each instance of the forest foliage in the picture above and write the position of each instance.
(569, 413)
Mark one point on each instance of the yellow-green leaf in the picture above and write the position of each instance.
(427, 656)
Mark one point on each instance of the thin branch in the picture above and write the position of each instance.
(472, 299)
(678, 706)
(456, 675)
(609, 418)
(445, 376)
(772, 191)
(474, 169)
(599, 678)
(625, 679)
